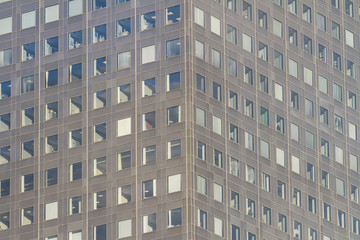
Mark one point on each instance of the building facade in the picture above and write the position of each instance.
(159, 119)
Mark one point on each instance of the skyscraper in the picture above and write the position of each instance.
(207, 119)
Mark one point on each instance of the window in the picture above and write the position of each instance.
(98, 4)
(217, 125)
(352, 131)
(173, 81)
(124, 127)
(341, 219)
(5, 59)
(335, 3)
(355, 225)
(234, 166)
(307, 44)
(325, 179)
(306, 13)
(200, 117)
(100, 99)
(353, 162)
(280, 125)
(280, 157)
(336, 61)
(338, 123)
(218, 158)
(340, 187)
(295, 164)
(149, 121)
(148, 88)
(281, 189)
(201, 150)
(233, 132)
(148, 54)
(266, 215)
(322, 52)
(310, 172)
(52, 13)
(27, 118)
(215, 58)
(28, 51)
(51, 46)
(249, 141)
(75, 138)
(75, 235)
(124, 229)
(335, 30)
(293, 36)
(247, 43)
(172, 14)
(251, 236)
(51, 78)
(173, 48)
(349, 38)
(326, 212)
(75, 72)
(250, 174)
(247, 11)
(262, 19)
(235, 232)
(294, 132)
(199, 50)
(324, 115)
(282, 223)
(264, 149)
(174, 149)
(312, 234)
(232, 67)
(218, 192)
(292, 6)
(51, 177)
(51, 144)
(147, 21)
(28, 20)
(174, 183)
(324, 148)
(248, 75)
(124, 194)
(234, 200)
(75, 105)
(4, 187)
(263, 51)
(99, 166)
(121, 1)
(233, 102)
(354, 194)
(4, 221)
(6, 24)
(199, 16)
(123, 27)
(278, 60)
(27, 149)
(321, 22)
(149, 223)
(75, 171)
(174, 217)
(149, 188)
(350, 69)
(308, 76)
(99, 199)
(51, 211)
(297, 230)
(99, 33)
(309, 108)
(323, 84)
(231, 4)
(99, 66)
(4, 154)
(27, 183)
(265, 182)
(201, 185)
(200, 83)
(124, 60)
(173, 115)
(293, 68)
(5, 122)
(75, 204)
(277, 28)
(75, 7)
(278, 2)
(250, 207)
(27, 216)
(218, 227)
(149, 154)
(278, 92)
(215, 25)
(51, 110)
(231, 32)
(248, 108)
(309, 140)
(349, 8)
(264, 84)
(75, 39)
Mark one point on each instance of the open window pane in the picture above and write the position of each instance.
(124, 93)
(28, 51)
(27, 149)
(51, 144)
(5, 122)
(123, 27)
(75, 138)
(75, 39)
(100, 99)
(99, 166)
(99, 33)
(149, 121)
(124, 194)
(75, 171)
(100, 132)
(51, 45)
(173, 81)
(147, 21)
(100, 66)
(148, 87)
(124, 160)
(51, 177)
(75, 105)
(172, 14)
